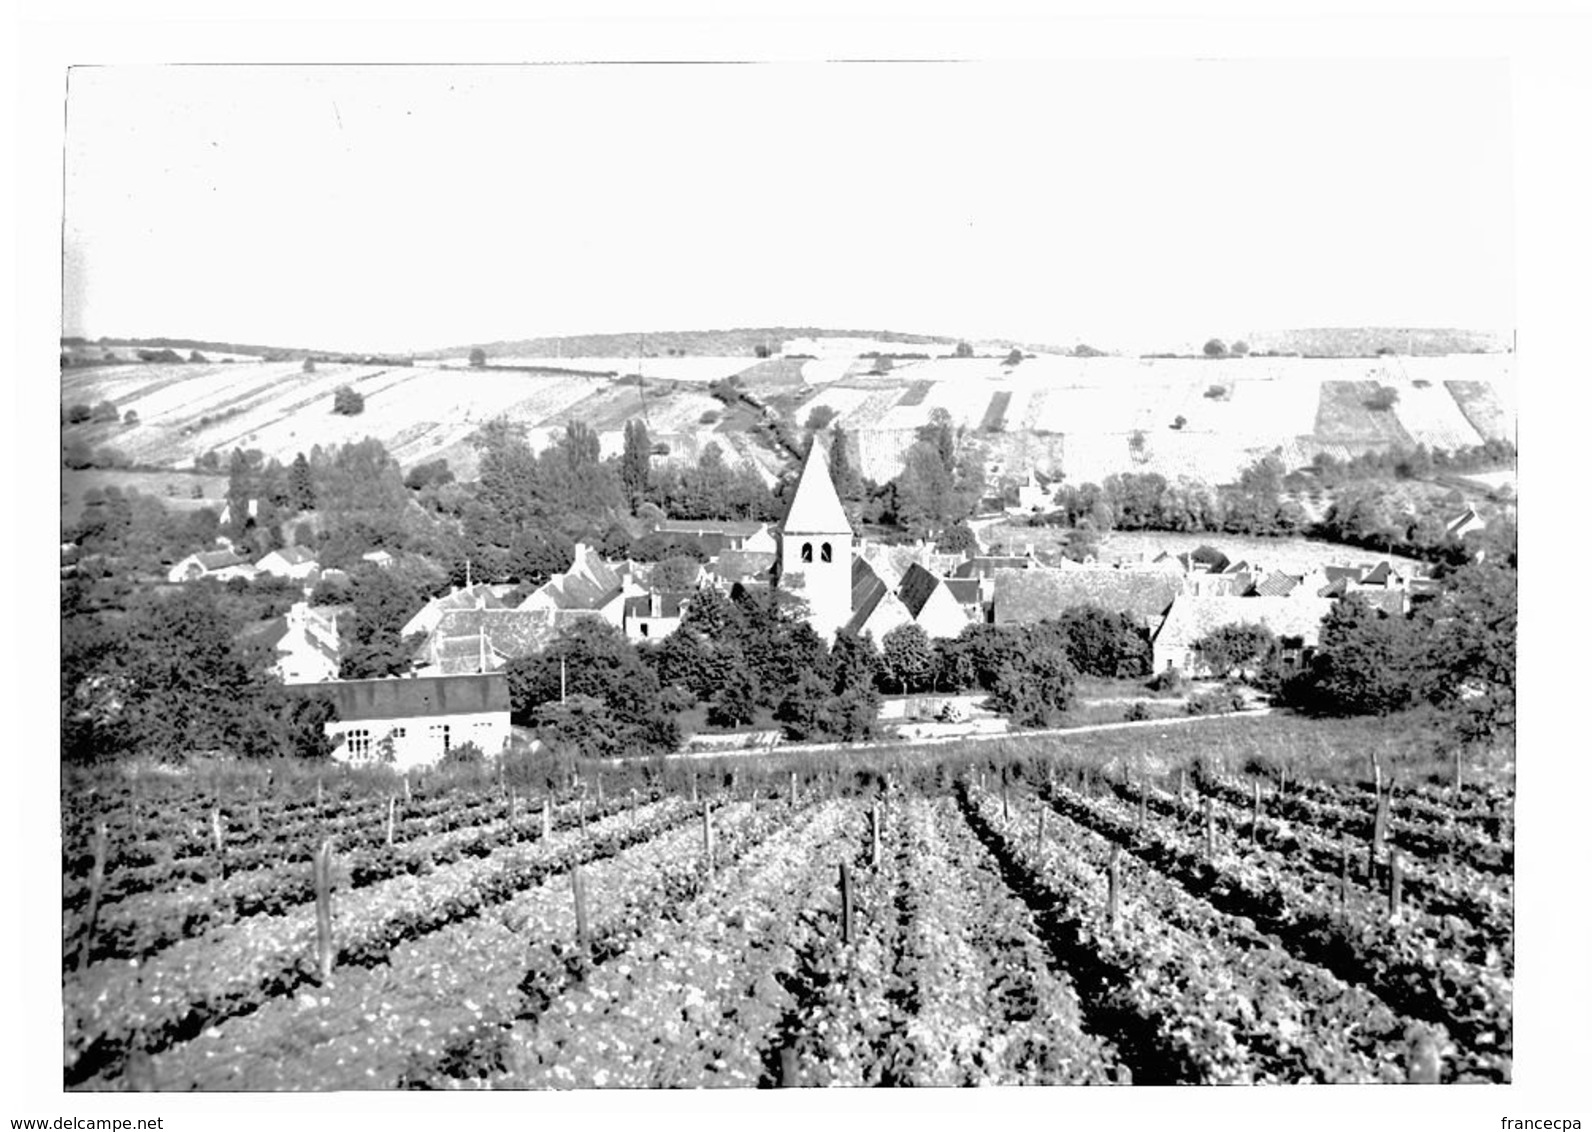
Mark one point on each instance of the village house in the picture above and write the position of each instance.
(484, 640)
(1295, 622)
(295, 562)
(653, 616)
(931, 603)
(1024, 597)
(414, 721)
(310, 648)
(875, 608)
(478, 596)
(590, 585)
(222, 565)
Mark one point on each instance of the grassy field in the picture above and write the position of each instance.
(1131, 546)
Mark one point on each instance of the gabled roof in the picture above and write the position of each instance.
(881, 612)
(218, 559)
(815, 508)
(916, 587)
(867, 590)
(1378, 575)
(1027, 596)
(964, 590)
(412, 697)
(1343, 573)
(295, 555)
(510, 633)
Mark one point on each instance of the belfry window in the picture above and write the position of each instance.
(825, 554)
(807, 552)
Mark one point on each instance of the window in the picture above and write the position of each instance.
(439, 736)
(807, 552)
(398, 732)
(825, 553)
(643, 628)
(359, 745)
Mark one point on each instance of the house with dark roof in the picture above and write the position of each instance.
(484, 640)
(931, 603)
(985, 567)
(309, 648)
(967, 595)
(874, 606)
(479, 596)
(589, 585)
(653, 616)
(414, 721)
(1023, 597)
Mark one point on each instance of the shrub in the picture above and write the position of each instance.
(1217, 392)
(1220, 701)
(1180, 421)
(465, 754)
(709, 417)
(309, 365)
(130, 417)
(820, 417)
(1170, 680)
(78, 414)
(347, 402)
(1215, 348)
(105, 413)
(1383, 399)
(1137, 712)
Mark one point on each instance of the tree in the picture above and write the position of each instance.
(130, 417)
(346, 401)
(477, 358)
(883, 363)
(1215, 348)
(1240, 349)
(735, 703)
(105, 413)
(1368, 663)
(1038, 692)
(383, 604)
(301, 484)
(963, 350)
(675, 574)
(309, 365)
(79, 414)
(820, 417)
(1098, 642)
(1014, 357)
(635, 464)
(240, 490)
(848, 484)
(908, 656)
(1230, 648)
(958, 539)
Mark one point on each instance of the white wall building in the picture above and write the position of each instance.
(416, 719)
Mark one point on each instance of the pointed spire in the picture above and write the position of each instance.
(815, 508)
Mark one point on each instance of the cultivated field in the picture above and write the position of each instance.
(1047, 919)
(1288, 554)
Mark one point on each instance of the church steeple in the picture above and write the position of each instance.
(815, 547)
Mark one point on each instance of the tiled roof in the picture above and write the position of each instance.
(296, 555)
(916, 587)
(1208, 556)
(867, 590)
(1342, 573)
(1378, 574)
(964, 590)
(510, 633)
(219, 559)
(1390, 602)
(412, 697)
(1276, 585)
(1027, 596)
(733, 565)
(1193, 617)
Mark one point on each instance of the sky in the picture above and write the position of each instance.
(1134, 202)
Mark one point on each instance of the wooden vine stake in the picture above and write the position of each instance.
(793, 789)
(1395, 885)
(325, 951)
(96, 885)
(845, 903)
(218, 837)
(547, 817)
(1144, 805)
(873, 824)
(392, 817)
(1459, 772)
(707, 841)
(1039, 832)
(1343, 882)
(320, 796)
(693, 788)
(1210, 830)
(1113, 886)
(1182, 783)
(787, 1067)
(409, 794)
(1006, 807)
(578, 883)
(599, 788)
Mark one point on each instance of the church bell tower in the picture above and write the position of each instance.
(815, 547)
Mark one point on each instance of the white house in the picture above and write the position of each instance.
(378, 558)
(415, 720)
(219, 564)
(1294, 621)
(294, 562)
(932, 604)
(310, 651)
(653, 616)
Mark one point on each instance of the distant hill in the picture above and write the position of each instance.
(742, 341)
(200, 344)
(1368, 341)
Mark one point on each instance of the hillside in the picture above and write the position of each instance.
(739, 342)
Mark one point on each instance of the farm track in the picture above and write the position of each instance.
(111, 1010)
(1411, 965)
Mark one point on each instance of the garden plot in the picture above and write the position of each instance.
(965, 400)
(874, 408)
(1278, 407)
(1480, 403)
(1433, 418)
(1344, 417)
